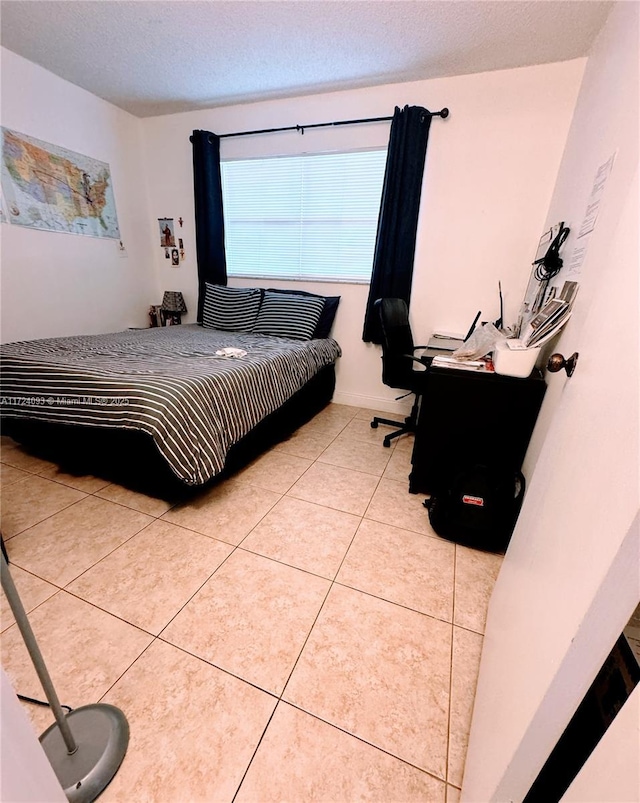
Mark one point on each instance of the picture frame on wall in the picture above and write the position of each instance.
(167, 232)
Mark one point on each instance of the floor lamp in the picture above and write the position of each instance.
(85, 747)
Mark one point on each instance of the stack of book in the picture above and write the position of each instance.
(546, 323)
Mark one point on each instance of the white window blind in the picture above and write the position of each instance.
(310, 217)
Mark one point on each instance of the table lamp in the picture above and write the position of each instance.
(173, 306)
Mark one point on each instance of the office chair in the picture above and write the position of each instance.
(397, 362)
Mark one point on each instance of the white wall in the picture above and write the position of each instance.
(55, 283)
(570, 579)
(488, 181)
(605, 122)
(490, 170)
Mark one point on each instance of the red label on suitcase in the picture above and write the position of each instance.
(473, 500)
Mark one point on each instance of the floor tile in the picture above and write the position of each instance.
(275, 471)
(402, 567)
(193, 728)
(308, 442)
(65, 545)
(148, 579)
(228, 511)
(330, 427)
(339, 488)
(9, 475)
(467, 648)
(150, 505)
(337, 412)
(85, 650)
(31, 500)
(333, 418)
(380, 672)
(303, 759)
(32, 591)
(357, 455)
(405, 443)
(393, 504)
(476, 574)
(304, 535)
(368, 415)
(453, 794)
(81, 482)
(399, 466)
(251, 618)
(360, 430)
(15, 455)
(380, 677)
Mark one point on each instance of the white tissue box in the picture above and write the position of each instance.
(510, 358)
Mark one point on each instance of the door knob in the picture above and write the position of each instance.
(557, 362)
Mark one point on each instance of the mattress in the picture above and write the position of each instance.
(168, 382)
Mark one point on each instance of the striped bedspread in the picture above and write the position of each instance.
(167, 382)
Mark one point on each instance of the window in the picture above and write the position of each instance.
(310, 217)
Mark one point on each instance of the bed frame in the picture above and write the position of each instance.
(131, 458)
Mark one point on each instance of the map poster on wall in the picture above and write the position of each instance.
(52, 188)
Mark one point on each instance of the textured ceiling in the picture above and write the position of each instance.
(155, 57)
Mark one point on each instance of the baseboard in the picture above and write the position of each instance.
(399, 408)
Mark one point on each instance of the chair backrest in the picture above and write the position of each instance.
(397, 342)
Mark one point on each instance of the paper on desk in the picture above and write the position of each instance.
(465, 365)
(481, 342)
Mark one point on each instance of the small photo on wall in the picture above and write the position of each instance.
(175, 257)
(167, 236)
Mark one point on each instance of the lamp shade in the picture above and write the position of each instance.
(173, 302)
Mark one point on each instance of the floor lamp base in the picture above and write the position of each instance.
(102, 735)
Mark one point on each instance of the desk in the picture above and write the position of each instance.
(468, 418)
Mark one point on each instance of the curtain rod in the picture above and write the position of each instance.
(444, 113)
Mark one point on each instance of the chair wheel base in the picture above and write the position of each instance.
(408, 426)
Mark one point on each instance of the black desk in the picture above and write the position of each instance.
(468, 418)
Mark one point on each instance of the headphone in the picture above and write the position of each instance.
(549, 265)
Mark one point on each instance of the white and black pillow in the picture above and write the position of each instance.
(323, 328)
(288, 315)
(234, 309)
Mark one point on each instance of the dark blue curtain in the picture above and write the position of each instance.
(398, 220)
(207, 187)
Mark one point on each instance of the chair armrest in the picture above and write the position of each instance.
(419, 360)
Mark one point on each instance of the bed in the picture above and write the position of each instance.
(164, 402)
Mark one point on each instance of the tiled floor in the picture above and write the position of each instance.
(297, 633)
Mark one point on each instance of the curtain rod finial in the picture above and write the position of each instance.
(444, 113)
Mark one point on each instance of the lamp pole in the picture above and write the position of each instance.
(85, 767)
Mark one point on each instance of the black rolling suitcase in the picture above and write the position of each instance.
(478, 507)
